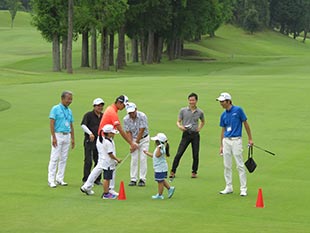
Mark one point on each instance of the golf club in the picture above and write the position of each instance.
(122, 162)
(264, 150)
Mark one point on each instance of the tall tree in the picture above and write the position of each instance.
(70, 37)
(13, 6)
(50, 18)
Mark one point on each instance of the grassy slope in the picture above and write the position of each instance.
(267, 74)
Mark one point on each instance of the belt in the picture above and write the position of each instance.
(233, 138)
(144, 136)
(63, 133)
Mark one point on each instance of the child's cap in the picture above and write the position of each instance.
(160, 137)
(109, 129)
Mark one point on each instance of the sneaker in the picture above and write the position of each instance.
(62, 183)
(113, 192)
(132, 183)
(243, 193)
(157, 196)
(108, 196)
(141, 183)
(194, 175)
(51, 184)
(226, 191)
(171, 191)
(97, 182)
(87, 192)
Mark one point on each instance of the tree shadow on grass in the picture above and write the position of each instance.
(4, 105)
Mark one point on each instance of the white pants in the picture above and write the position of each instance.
(143, 145)
(59, 156)
(233, 148)
(94, 175)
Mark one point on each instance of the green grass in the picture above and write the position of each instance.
(268, 75)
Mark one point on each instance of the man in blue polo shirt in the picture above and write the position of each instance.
(62, 134)
(231, 142)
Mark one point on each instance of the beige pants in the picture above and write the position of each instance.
(232, 147)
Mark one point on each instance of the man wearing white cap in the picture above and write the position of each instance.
(90, 125)
(231, 142)
(136, 127)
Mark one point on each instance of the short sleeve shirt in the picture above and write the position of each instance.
(232, 120)
(134, 125)
(63, 118)
(109, 117)
(160, 163)
(104, 149)
(190, 119)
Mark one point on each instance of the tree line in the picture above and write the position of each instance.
(153, 26)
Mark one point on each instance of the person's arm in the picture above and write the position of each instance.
(179, 124)
(148, 153)
(72, 136)
(201, 124)
(248, 131)
(52, 129)
(221, 142)
(112, 156)
(87, 130)
(140, 134)
(133, 145)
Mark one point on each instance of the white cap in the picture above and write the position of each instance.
(131, 107)
(224, 96)
(109, 129)
(98, 101)
(160, 137)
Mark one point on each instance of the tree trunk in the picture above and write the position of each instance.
(101, 49)
(56, 53)
(150, 47)
(142, 48)
(70, 35)
(85, 51)
(160, 47)
(171, 49)
(305, 35)
(134, 50)
(111, 50)
(121, 56)
(93, 52)
(106, 61)
(64, 52)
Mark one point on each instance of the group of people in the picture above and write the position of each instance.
(99, 148)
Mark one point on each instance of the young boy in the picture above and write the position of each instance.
(106, 162)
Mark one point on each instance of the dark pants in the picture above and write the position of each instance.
(90, 155)
(187, 138)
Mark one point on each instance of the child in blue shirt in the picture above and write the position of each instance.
(160, 165)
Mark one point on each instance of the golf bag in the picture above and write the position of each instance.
(250, 163)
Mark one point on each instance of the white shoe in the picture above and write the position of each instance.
(113, 192)
(87, 192)
(226, 191)
(243, 193)
(62, 183)
(51, 184)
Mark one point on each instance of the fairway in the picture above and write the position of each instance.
(267, 74)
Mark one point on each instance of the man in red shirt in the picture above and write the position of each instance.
(110, 117)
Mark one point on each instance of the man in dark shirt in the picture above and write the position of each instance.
(90, 124)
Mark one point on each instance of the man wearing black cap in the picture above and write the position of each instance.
(90, 124)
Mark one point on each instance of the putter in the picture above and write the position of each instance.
(269, 152)
(122, 162)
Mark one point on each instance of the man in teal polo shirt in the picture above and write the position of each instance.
(62, 135)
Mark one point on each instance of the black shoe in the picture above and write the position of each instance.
(132, 183)
(97, 182)
(141, 183)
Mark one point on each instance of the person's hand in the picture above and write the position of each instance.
(54, 142)
(119, 160)
(91, 137)
(250, 143)
(134, 146)
(145, 152)
(221, 151)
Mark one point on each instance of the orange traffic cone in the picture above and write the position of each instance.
(121, 195)
(260, 201)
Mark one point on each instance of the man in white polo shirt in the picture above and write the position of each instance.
(136, 127)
